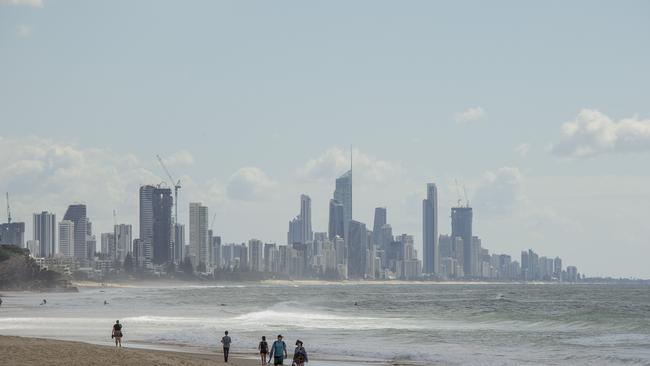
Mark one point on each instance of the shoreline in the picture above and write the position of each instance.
(178, 283)
(17, 350)
(22, 351)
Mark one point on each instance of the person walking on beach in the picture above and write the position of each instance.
(299, 354)
(225, 340)
(263, 347)
(278, 351)
(117, 333)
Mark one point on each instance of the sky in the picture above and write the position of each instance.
(539, 111)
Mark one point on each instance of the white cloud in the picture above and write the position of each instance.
(179, 158)
(471, 114)
(32, 3)
(24, 30)
(500, 192)
(593, 133)
(249, 184)
(335, 161)
(41, 174)
(523, 149)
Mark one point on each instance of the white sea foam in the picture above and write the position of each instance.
(428, 324)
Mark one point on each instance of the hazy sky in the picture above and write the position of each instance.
(541, 110)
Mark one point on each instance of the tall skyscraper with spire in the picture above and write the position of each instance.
(430, 230)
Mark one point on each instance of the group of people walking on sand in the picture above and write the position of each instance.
(277, 352)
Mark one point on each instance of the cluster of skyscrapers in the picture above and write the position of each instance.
(347, 250)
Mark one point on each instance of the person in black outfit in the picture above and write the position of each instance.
(263, 347)
(117, 333)
(225, 340)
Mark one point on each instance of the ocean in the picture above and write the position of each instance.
(359, 323)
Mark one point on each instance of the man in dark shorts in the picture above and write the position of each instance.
(117, 333)
(226, 346)
(278, 351)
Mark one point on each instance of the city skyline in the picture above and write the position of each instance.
(547, 133)
(342, 183)
(357, 253)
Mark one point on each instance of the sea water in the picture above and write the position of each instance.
(418, 323)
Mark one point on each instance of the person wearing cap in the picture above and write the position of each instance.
(300, 354)
(278, 351)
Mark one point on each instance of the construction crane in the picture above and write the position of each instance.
(212, 223)
(460, 200)
(466, 199)
(116, 235)
(8, 210)
(177, 186)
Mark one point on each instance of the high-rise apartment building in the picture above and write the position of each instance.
(271, 258)
(557, 268)
(66, 238)
(475, 252)
(108, 245)
(123, 234)
(179, 243)
(430, 230)
(294, 235)
(155, 224)
(256, 248)
(198, 234)
(300, 227)
(572, 274)
(378, 224)
(445, 246)
(91, 240)
(215, 251)
(343, 194)
(336, 225)
(357, 243)
(244, 262)
(305, 217)
(77, 214)
(44, 230)
(461, 226)
(524, 265)
(12, 233)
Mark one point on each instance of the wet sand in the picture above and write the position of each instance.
(37, 351)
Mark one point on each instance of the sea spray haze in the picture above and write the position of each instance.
(490, 324)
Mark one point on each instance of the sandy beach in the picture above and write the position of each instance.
(37, 351)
